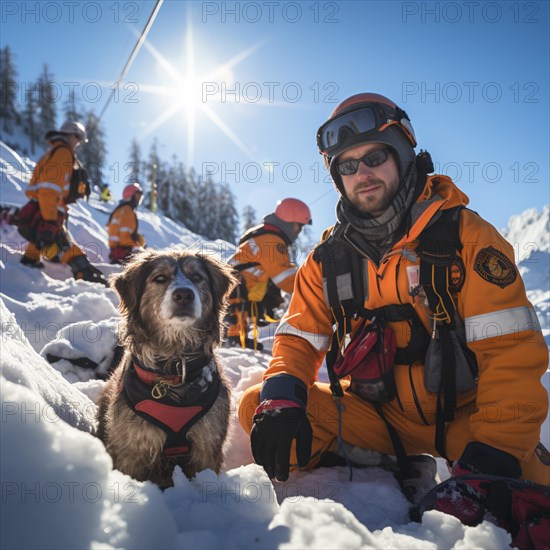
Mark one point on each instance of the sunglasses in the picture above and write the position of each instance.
(371, 159)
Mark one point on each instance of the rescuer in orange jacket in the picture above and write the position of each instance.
(122, 226)
(386, 208)
(263, 263)
(57, 180)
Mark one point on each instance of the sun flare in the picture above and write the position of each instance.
(184, 92)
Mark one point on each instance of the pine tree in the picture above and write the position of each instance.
(93, 153)
(8, 91)
(71, 109)
(134, 165)
(47, 98)
(30, 123)
(228, 224)
(172, 198)
(192, 217)
(154, 173)
(249, 217)
(164, 190)
(206, 212)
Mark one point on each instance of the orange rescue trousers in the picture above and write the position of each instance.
(68, 256)
(364, 428)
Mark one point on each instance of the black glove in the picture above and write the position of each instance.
(276, 424)
(46, 233)
(92, 275)
(85, 271)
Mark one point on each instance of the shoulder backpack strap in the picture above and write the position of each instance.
(345, 289)
(338, 312)
(439, 244)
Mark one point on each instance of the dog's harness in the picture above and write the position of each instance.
(169, 404)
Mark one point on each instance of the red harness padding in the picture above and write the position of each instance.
(169, 404)
(519, 506)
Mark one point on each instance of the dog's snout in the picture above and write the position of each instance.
(183, 296)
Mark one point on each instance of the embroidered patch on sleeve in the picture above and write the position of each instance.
(493, 266)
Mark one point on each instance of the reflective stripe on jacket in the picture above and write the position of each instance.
(509, 404)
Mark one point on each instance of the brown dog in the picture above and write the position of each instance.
(168, 401)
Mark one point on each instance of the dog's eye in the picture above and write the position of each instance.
(160, 279)
(197, 277)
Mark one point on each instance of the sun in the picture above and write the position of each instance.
(184, 93)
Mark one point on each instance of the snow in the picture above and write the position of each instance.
(58, 486)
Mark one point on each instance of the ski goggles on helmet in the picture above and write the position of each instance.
(334, 135)
(371, 159)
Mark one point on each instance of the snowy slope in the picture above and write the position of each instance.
(529, 234)
(58, 486)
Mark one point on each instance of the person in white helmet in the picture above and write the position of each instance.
(263, 263)
(122, 226)
(58, 180)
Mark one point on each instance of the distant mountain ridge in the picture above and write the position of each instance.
(529, 234)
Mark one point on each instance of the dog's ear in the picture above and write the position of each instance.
(222, 277)
(127, 283)
(122, 283)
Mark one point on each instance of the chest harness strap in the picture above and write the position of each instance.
(169, 404)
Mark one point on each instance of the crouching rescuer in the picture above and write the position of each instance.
(122, 226)
(58, 180)
(431, 345)
(263, 264)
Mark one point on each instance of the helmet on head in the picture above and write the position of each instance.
(293, 210)
(367, 118)
(130, 190)
(76, 129)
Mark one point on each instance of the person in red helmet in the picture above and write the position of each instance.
(58, 180)
(416, 307)
(263, 263)
(122, 226)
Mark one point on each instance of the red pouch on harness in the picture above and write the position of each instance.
(28, 218)
(369, 360)
(531, 514)
(521, 507)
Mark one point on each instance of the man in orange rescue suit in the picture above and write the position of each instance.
(122, 226)
(52, 187)
(444, 351)
(263, 262)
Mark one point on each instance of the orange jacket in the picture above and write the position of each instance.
(122, 227)
(51, 180)
(509, 404)
(270, 254)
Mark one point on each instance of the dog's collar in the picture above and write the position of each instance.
(193, 366)
(150, 377)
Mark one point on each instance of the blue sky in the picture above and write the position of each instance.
(238, 89)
